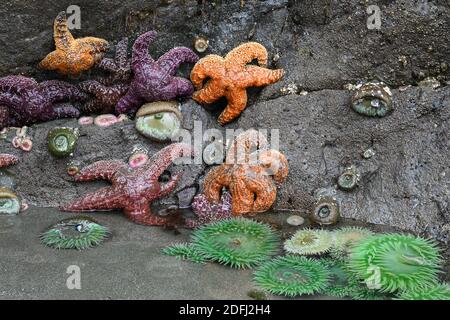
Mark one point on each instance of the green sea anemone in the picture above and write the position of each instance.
(237, 242)
(345, 238)
(348, 180)
(75, 233)
(342, 282)
(326, 211)
(292, 276)
(437, 292)
(61, 142)
(309, 242)
(184, 251)
(392, 262)
(9, 202)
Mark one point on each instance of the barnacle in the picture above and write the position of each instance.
(61, 142)
(184, 251)
(309, 242)
(292, 276)
(237, 242)
(75, 233)
(392, 262)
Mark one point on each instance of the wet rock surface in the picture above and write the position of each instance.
(322, 45)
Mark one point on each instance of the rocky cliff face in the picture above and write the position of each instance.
(323, 45)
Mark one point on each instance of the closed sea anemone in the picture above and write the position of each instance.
(436, 292)
(309, 242)
(9, 202)
(349, 179)
(184, 251)
(61, 142)
(372, 99)
(159, 121)
(75, 233)
(292, 276)
(392, 262)
(237, 242)
(326, 211)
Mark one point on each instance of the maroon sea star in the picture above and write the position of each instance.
(208, 212)
(155, 80)
(23, 101)
(7, 160)
(105, 97)
(119, 67)
(132, 190)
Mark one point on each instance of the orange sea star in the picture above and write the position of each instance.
(230, 76)
(252, 180)
(72, 56)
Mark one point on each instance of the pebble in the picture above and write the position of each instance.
(295, 220)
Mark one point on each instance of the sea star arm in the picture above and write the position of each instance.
(178, 87)
(103, 199)
(242, 200)
(263, 192)
(163, 158)
(103, 169)
(92, 87)
(215, 180)
(7, 160)
(237, 101)
(247, 52)
(65, 110)
(16, 84)
(210, 92)
(139, 212)
(211, 66)
(257, 76)
(140, 49)
(55, 90)
(61, 34)
(55, 60)
(107, 64)
(129, 102)
(121, 57)
(92, 106)
(171, 60)
(274, 164)
(4, 117)
(168, 187)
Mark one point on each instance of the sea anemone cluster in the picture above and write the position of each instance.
(237, 242)
(75, 233)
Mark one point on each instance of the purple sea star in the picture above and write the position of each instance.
(105, 97)
(119, 67)
(155, 80)
(23, 101)
(132, 190)
(208, 212)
